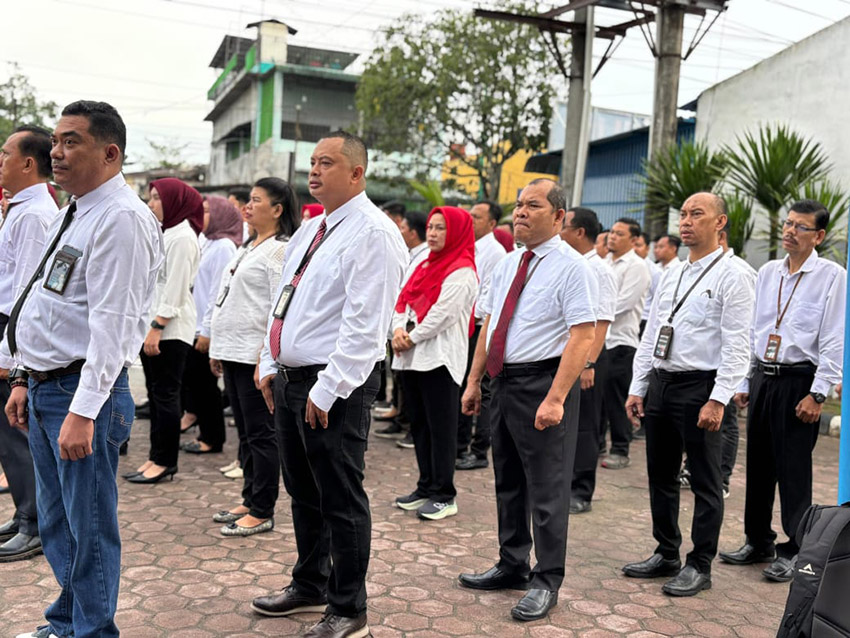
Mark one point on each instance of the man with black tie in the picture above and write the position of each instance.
(325, 348)
(797, 349)
(540, 312)
(691, 358)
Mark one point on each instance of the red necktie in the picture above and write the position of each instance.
(496, 354)
(277, 324)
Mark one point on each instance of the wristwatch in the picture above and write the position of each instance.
(818, 397)
(156, 325)
(590, 365)
(18, 377)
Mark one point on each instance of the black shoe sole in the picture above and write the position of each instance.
(684, 593)
(525, 618)
(750, 561)
(30, 553)
(660, 574)
(512, 586)
(295, 610)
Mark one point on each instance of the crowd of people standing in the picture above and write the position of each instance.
(529, 347)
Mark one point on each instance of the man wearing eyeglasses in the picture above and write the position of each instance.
(797, 345)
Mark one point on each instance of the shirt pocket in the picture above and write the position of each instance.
(701, 311)
(804, 316)
(325, 270)
(535, 303)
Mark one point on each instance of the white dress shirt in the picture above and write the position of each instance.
(341, 310)
(418, 254)
(103, 314)
(606, 306)
(237, 327)
(560, 292)
(633, 282)
(709, 331)
(655, 271)
(442, 339)
(744, 266)
(215, 255)
(22, 238)
(174, 298)
(488, 253)
(813, 328)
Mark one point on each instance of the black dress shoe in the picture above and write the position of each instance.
(127, 475)
(781, 570)
(8, 530)
(333, 626)
(653, 567)
(535, 605)
(579, 506)
(194, 447)
(143, 410)
(494, 578)
(288, 601)
(20, 547)
(747, 555)
(471, 462)
(168, 472)
(688, 582)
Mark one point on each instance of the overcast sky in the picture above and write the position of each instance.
(150, 58)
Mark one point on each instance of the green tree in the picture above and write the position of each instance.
(450, 81)
(20, 105)
(739, 210)
(166, 155)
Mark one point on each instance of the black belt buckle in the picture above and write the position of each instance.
(284, 373)
(771, 369)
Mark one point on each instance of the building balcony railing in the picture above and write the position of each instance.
(231, 71)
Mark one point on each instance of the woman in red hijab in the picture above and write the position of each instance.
(180, 209)
(309, 211)
(431, 329)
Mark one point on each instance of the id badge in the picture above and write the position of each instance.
(771, 352)
(282, 304)
(61, 269)
(222, 296)
(665, 340)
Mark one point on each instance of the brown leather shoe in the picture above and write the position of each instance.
(288, 601)
(333, 626)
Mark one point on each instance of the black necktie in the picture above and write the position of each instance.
(13, 318)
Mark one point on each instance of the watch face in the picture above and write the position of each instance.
(818, 397)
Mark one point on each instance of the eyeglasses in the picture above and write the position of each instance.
(798, 227)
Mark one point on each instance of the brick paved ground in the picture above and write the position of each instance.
(181, 579)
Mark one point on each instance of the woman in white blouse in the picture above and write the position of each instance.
(431, 328)
(180, 208)
(202, 404)
(237, 326)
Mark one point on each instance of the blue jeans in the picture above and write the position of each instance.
(77, 506)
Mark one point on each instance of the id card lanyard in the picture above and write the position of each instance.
(771, 351)
(226, 290)
(665, 335)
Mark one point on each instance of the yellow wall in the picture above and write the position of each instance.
(514, 177)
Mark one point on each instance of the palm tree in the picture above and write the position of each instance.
(739, 210)
(770, 167)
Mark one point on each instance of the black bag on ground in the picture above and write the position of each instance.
(818, 603)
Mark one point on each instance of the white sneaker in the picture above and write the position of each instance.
(235, 473)
(434, 511)
(229, 466)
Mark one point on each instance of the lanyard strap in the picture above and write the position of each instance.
(309, 254)
(780, 315)
(694, 285)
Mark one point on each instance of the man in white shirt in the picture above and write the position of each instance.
(75, 328)
(666, 251)
(539, 322)
(581, 226)
(633, 281)
(797, 350)
(472, 447)
(24, 171)
(327, 340)
(642, 250)
(691, 359)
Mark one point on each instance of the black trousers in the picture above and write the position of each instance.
(201, 396)
(258, 446)
(589, 432)
(779, 449)
(731, 434)
(533, 471)
(672, 406)
(432, 398)
(473, 433)
(164, 378)
(323, 474)
(616, 391)
(17, 464)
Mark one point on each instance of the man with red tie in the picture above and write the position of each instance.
(539, 323)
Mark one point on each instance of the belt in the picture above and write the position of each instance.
(786, 369)
(299, 375)
(529, 369)
(71, 368)
(685, 376)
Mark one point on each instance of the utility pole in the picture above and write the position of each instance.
(670, 19)
(575, 108)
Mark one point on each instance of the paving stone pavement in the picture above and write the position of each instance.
(181, 579)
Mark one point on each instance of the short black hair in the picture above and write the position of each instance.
(587, 219)
(673, 239)
(493, 208)
(645, 236)
(280, 192)
(417, 221)
(634, 227)
(353, 147)
(556, 195)
(394, 208)
(37, 146)
(105, 124)
(241, 194)
(812, 207)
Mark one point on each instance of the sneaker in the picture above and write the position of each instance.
(726, 491)
(685, 478)
(392, 431)
(434, 511)
(229, 466)
(235, 473)
(406, 442)
(410, 502)
(41, 632)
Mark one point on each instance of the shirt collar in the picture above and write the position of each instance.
(808, 265)
(590, 254)
(625, 255)
(416, 250)
(93, 198)
(346, 209)
(547, 246)
(699, 264)
(30, 192)
(489, 237)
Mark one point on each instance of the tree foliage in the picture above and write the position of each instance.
(20, 105)
(449, 83)
(680, 171)
(836, 200)
(168, 154)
